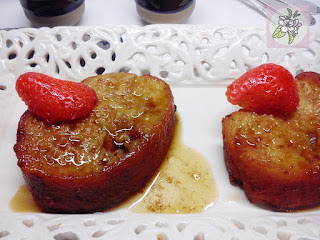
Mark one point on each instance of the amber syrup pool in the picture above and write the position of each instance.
(183, 184)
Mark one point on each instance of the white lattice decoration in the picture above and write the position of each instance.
(101, 226)
(184, 56)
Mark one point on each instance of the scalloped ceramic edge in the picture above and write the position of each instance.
(198, 62)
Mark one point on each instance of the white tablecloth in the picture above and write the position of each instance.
(119, 12)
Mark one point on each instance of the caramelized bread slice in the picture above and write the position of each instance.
(277, 161)
(96, 162)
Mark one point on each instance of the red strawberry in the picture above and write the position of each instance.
(269, 89)
(54, 100)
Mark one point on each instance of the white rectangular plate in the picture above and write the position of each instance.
(198, 62)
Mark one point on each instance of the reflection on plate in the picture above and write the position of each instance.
(198, 62)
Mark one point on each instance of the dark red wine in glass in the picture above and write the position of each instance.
(53, 12)
(165, 11)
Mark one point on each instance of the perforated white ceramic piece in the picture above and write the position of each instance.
(198, 62)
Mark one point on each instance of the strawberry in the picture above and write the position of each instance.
(54, 100)
(268, 88)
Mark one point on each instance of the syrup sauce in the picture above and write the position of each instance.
(22, 201)
(183, 184)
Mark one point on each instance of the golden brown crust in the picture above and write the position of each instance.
(97, 162)
(275, 160)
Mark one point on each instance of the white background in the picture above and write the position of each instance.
(123, 12)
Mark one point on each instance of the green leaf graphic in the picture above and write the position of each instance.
(277, 33)
(291, 38)
(290, 12)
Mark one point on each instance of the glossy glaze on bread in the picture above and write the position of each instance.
(276, 160)
(96, 162)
